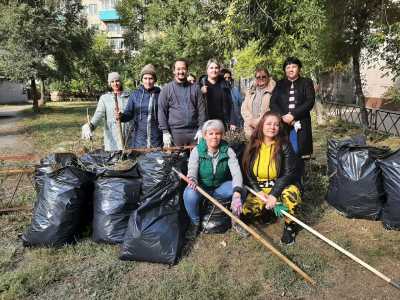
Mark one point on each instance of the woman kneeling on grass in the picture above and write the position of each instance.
(214, 167)
(270, 167)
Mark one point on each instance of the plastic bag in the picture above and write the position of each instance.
(154, 231)
(359, 191)
(215, 220)
(333, 147)
(115, 199)
(60, 205)
(390, 167)
(111, 164)
(116, 193)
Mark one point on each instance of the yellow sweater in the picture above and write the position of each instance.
(264, 167)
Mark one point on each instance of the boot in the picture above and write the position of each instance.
(289, 234)
(192, 232)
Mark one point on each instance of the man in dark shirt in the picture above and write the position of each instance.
(181, 110)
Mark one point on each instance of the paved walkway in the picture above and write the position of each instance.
(13, 139)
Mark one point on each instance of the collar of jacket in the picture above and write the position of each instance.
(267, 90)
(203, 150)
(287, 81)
(154, 90)
(122, 94)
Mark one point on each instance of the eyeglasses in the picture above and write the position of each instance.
(261, 77)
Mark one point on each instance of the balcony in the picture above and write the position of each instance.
(108, 15)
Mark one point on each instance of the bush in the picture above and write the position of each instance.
(393, 93)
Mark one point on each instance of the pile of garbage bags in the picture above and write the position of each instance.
(133, 200)
(364, 181)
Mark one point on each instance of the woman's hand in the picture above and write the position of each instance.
(192, 184)
(117, 114)
(236, 204)
(288, 118)
(204, 89)
(271, 202)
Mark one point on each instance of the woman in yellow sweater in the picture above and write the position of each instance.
(269, 164)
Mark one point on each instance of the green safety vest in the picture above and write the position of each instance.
(207, 178)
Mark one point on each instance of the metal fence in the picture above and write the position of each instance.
(379, 120)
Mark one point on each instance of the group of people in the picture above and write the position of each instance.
(276, 120)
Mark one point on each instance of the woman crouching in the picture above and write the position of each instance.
(270, 167)
(214, 167)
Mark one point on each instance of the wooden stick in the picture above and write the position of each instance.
(250, 230)
(119, 125)
(331, 243)
(146, 150)
(17, 171)
(22, 157)
(8, 210)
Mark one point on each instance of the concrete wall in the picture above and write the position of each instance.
(12, 92)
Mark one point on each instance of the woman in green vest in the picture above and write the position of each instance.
(214, 167)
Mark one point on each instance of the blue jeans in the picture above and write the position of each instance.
(192, 199)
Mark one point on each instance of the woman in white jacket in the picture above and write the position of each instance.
(106, 110)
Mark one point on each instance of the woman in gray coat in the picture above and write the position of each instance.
(106, 110)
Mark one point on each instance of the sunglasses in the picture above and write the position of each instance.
(261, 77)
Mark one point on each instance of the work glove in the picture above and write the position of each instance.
(297, 126)
(198, 136)
(167, 139)
(236, 204)
(87, 133)
(278, 208)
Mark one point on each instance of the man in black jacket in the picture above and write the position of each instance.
(293, 98)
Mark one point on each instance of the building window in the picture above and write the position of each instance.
(114, 27)
(91, 10)
(109, 4)
(117, 44)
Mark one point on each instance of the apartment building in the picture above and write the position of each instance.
(102, 15)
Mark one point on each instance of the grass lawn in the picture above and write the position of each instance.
(221, 266)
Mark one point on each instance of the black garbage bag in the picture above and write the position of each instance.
(155, 229)
(390, 167)
(104, 163)
(215, 220)
(359, 192)
(154, 166)
(115, 198)
(116, 192)
(59, 209)
(49, 164)
(333, 147)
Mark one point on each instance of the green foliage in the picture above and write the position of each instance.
(248, 59)
(393, 93)
(39, 38)
(281, 29)
(173, 29)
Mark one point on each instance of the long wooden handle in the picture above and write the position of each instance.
(119, 125)
(146, 150)
(251, 231)
(331, 243)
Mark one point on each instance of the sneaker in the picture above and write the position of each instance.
(240, 230)
(289, 234)
(192, 232)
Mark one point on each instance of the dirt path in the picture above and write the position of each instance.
(13, 139)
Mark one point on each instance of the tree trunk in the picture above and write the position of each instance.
(34, 95)
(359, 92)
(42, 100)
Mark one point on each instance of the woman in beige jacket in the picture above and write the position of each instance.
(257, 99)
